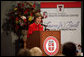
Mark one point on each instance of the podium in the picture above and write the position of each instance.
(38, 38)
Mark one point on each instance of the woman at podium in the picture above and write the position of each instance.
(36, 26)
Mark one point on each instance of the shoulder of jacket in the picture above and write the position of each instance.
(31, 25)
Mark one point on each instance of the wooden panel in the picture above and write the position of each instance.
(37, 39)
(34, 40)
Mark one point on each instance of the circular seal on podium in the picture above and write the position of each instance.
(51, 45)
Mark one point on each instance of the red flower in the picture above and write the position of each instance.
(25, 20)
(31, 14)
(25, 12)
(17, 18)
(23, 5)
(34, 5)
(19, 4)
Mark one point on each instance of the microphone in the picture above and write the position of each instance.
(44, 25)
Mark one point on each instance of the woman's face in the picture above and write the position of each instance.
(38, 20)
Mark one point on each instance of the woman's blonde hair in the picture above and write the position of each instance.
(36, 51)
(38, 15)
